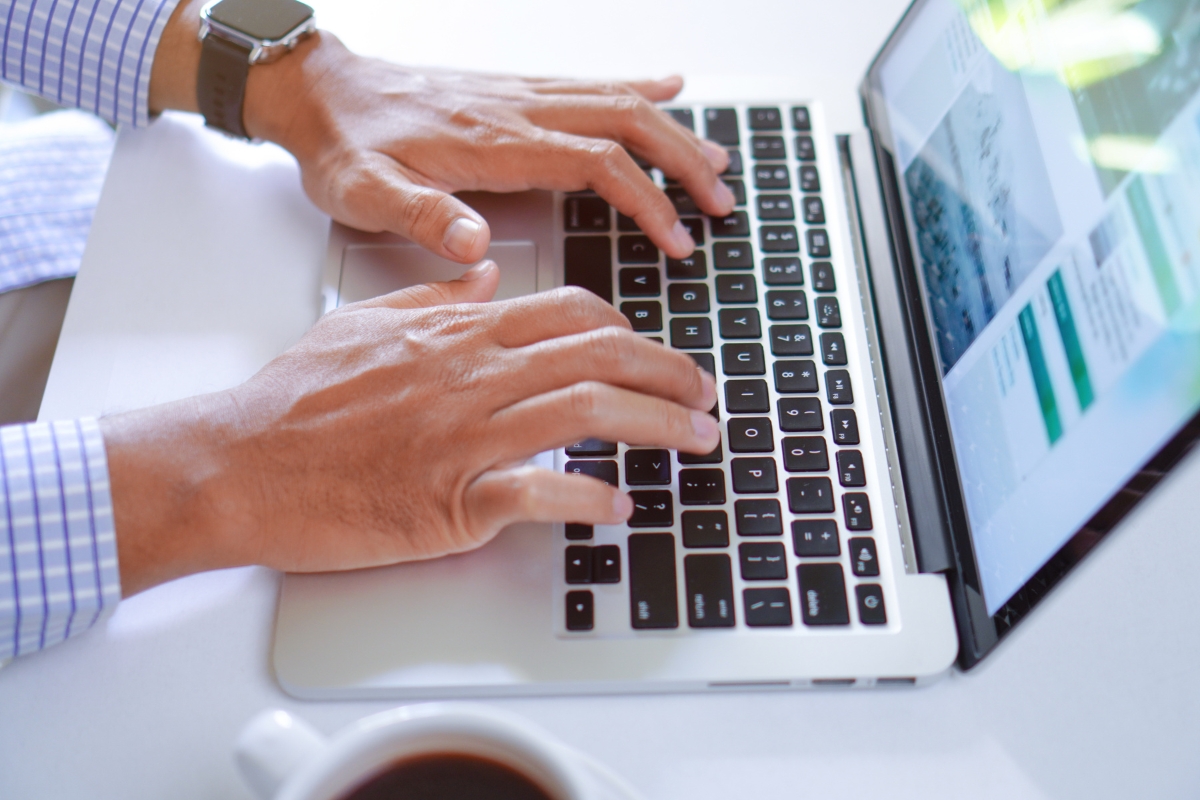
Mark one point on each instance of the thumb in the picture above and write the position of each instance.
(439, 222)
(477, 285)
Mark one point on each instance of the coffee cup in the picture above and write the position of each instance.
(282, 757)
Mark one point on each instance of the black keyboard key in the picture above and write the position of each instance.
(709, 582)
(870, 604)
(765, 119)
(768, 608)
(787, 304)
(800, 414)
(606, 564)
(721, 125)
(652, 509)
(579, 563)
(805, 149)
(805, 454)
(643, 315)
(739, 191)
(809, 178)
(816, 538)
(735, 163)
(705, 362)
(733, 255)
(783, 271)
(845, 426)
(736, 224)
(818, 243)
(814, 210)
(705, 529)
(695, 227)
(647, 467)
(743, 359)
(851, 470)
(829, 313)
(683, 116)
(754, 476)
(801, 121)
(778, 239)
(864, 560)
(751, 435)
(763, 561)
(790, 340)
(822, 277)
(737, 289)
(771, 176)
(701, 487)
(581, 611)
(823, 594)
(681, 200)
(690, 268)
(739, 323)
(837, 387)
(592, 447)
(767, 148)
(810, 495)
(636, 250)
(746, 397)
(652, 583)
(627, 224)
(577, 531)
(758, 517)
(857, 510)
(715, 457)
(586, 215)
(833, 349)
(775, 207)
(600, 470)
(639, 282)
(795, 377)
(587, 262)
(687, 298)
(691, 333)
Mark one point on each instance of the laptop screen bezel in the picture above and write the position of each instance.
(979, 632)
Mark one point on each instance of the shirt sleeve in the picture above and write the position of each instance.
(58, 550)
(89, 54)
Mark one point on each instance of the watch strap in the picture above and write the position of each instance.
(221, 83)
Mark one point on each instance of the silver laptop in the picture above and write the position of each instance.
(952, 350)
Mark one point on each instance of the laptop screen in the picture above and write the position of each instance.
(1048, 156)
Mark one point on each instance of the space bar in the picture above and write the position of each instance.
(587, 262)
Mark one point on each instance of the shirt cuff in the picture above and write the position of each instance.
(58, 549)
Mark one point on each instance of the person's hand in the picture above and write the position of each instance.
(381, 146)
(397, 429)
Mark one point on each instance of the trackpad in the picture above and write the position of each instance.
(369, 270)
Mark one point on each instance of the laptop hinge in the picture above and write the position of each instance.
(924, 531)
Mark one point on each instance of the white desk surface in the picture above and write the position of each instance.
(1095, 696)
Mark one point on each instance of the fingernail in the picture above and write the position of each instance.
(724, 194)
(461, 236)
(705, 426)
(681, 237)
(709, 383)
(478, 271)
(622, 505)
(717, 156)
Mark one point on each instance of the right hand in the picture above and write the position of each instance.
(397, 429)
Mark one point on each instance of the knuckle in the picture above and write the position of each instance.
(608, 157)
(578, 304)
(584, 401)
(612, 348)
(423, 209)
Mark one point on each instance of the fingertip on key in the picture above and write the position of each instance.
(717, 156)
(622, 506)
(708, 385)
(706, 429)
(681, 240)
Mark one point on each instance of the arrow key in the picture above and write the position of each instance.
(606, 564)
(579, 563)
(580, 611)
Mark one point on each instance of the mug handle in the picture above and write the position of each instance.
(274, 746)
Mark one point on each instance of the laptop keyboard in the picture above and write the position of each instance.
(773, 529)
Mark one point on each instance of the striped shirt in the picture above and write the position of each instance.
(58, 550)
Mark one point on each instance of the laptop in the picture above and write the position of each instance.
(952, 350)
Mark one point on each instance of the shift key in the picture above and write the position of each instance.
(653, 596)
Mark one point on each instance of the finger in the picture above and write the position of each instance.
(596, 410)
(375, 196)
(568, 310)
(477, 285)
(529, 494)
(649, 132)
(657, 90)
(616, 357)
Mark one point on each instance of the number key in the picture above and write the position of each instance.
(787, 304)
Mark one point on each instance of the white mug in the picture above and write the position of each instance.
(284, 758)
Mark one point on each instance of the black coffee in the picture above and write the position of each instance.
(448, 776)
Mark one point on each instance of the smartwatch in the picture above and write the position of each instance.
(235, 34)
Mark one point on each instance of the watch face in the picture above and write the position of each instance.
(269, 20)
